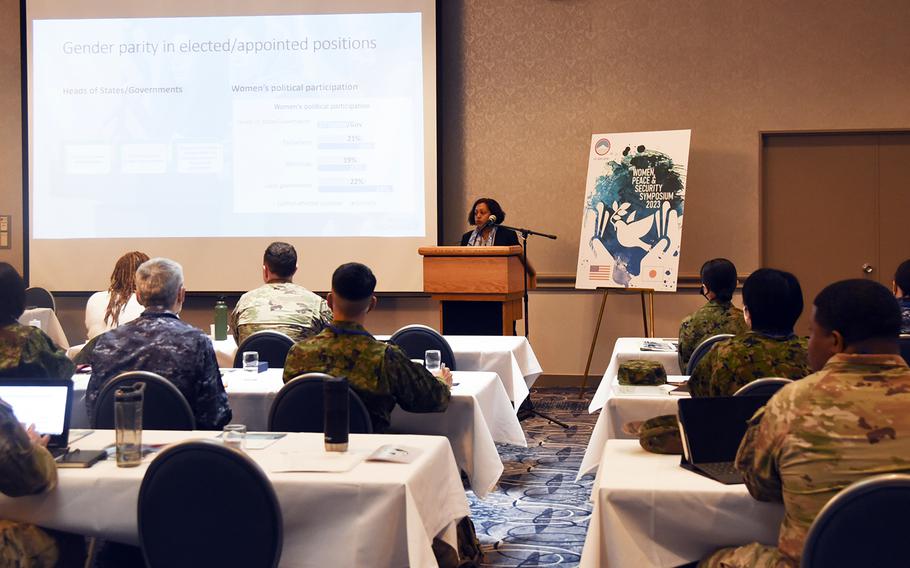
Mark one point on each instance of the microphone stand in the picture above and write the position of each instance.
(527, 412)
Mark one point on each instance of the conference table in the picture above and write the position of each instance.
(478, 416)
(625, 349)
(373, 514)
(49, 324)
(648, 511)
(510, 357)
(626, 404)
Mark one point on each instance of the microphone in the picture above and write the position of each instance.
(490, 222)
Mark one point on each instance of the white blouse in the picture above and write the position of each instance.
(97, 305)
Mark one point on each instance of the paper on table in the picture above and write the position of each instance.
(394, 454)
(644, 390)
(314, 461)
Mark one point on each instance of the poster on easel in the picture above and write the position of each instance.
(633, 211)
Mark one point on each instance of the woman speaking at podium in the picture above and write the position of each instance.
(486, 215)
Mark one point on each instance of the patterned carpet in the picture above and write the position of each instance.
(540, 517)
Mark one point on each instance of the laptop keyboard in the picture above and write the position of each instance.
(720, 469)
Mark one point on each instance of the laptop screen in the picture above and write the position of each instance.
(42, 402)
(714, 426)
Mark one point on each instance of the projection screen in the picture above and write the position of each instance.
(203, 130)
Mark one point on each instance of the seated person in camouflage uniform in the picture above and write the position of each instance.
(159, 342)
(26, 468)
(901, 288)
(279, 304)
(381, 374)
(773, 302)
(849, 420)
(25, 351)
(719, 315)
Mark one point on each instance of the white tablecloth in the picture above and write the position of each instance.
(479, 415)
(49, 324)
(377, 514)
(510, 357)
(623, 405)
(648, 511)
(627, 348)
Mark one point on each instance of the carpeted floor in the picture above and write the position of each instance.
(540, 517)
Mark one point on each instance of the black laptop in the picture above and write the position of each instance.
(46, 403)
(711, 429)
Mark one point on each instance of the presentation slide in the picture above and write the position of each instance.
(204, 132)
(270, 125)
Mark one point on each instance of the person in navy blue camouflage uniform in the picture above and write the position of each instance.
(159, 342)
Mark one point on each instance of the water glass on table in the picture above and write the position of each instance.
(251, 361)
(234, 436)
(432, 360)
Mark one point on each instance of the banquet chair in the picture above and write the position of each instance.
(863, 525)
(202, 503)
(37, 297)
(272, 346)
(163, 408)
(763, 387)
(298, 407)
(415, 340)
(702, 349)
(904, 342)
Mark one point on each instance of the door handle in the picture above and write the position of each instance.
(867, 268)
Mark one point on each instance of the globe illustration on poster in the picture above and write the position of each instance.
(633, 211)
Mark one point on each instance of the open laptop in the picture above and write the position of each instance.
(46, 403)
(711, 429)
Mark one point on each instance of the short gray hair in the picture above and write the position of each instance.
(158, 282)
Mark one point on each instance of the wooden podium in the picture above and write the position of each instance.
(479, 288)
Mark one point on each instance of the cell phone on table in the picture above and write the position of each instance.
(81, 458)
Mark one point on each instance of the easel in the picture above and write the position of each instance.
(647, 320)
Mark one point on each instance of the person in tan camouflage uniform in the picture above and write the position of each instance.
(26, 468)
(719, 315)
(381, 374)
(849, 420)
(279, 304)
(773, 301)
(25, 351)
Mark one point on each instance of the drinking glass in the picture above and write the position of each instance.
(251, 361)
(432, 359)
(234, 436)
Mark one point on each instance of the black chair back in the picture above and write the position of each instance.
(415, 340)
(703, 349)
(272, 346)
(37, 297)
(905, 347)
(863, 525)
(763, 387)
(299, 407)
(163, 406)
(202, 503)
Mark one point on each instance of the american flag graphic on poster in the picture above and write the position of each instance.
(632, 217)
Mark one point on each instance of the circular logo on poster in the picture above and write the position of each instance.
(602, 147)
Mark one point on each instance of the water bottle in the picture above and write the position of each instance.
(221, 319)
(128, 424)
(336, 403)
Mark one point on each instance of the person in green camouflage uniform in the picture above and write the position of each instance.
(773, 301)
(279, 304)
(719, 315)
(849, 420)
(26, 468)
(381, 374)
(25, 351)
